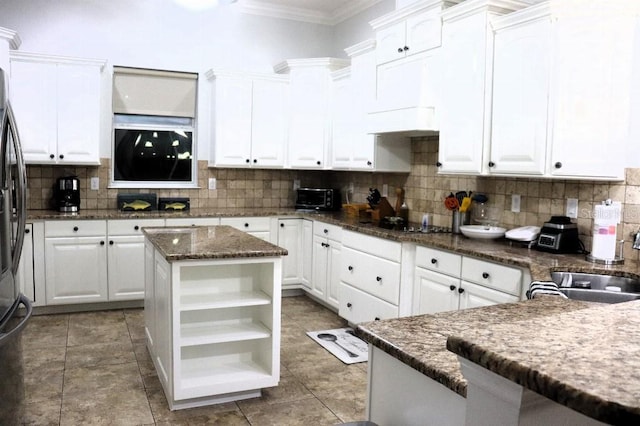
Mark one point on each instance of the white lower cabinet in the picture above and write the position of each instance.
(76, 261)
(445, 281)
(370, 278)
(125, 257)
(213, 328)
(31, 271)
(327, 247)
(88, 261)
(307, 253)
(290, 238)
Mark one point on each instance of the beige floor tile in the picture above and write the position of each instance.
(288, 390)
(46, 331)
(100, 354)
(302, 413)
(98, 327)
(161, 412)
(135, 323)
(44, 412)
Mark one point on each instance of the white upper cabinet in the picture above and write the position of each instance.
(249, 119)
(407, 74)
(562, 84)
(466, 55)
(308, 115)
(57, 103)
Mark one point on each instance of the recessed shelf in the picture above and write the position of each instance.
(206, 333)
(193, 302)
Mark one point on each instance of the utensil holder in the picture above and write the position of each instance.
(458, 219)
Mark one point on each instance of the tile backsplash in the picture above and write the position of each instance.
(425, 190)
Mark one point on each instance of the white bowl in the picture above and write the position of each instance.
(482, 232)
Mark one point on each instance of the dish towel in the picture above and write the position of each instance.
(544, 287)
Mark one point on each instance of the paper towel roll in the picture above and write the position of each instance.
(604, 242)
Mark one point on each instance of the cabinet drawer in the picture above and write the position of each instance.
(439, 261)
(371, 274)
(378, 247)
(75, 228)
(193, 221)
(492, 275)
(357, 306)
(249, 224)
(322, 229)
(131, 226)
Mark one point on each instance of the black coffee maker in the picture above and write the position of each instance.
(66, 194)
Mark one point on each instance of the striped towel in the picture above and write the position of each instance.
(544, 287)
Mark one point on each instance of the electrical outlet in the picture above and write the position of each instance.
(296, 184)
(95, 183)
(385, 190)
(212, 183)
(572, 208)
(515, 203)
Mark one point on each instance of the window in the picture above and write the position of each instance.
(153, 129)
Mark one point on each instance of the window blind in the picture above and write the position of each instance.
(154, 92)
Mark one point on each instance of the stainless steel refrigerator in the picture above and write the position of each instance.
(13, 184)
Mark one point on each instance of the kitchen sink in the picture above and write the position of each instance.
(597, 287)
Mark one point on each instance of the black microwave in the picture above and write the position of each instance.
(325, 199)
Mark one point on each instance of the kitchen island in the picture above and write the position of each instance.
(415, 380)
(212, 313)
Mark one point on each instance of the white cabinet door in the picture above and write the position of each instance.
(474, 296)
(79, 117)
(126, 276)
(390, 43)
(434, 292)
(344, 121)
(520, 98)
(76, 270)
(290, 238)
(268, 123)
(150, 326)
(591, 107)
(232, 118)
(307, 253)
(462, 116)
(308, 117)
(363, 86)
(423, 32)
(320, 260)
(34, 100)
(333, 274)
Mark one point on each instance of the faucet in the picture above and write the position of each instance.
(636, 240)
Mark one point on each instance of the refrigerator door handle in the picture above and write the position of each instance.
(9, 125)
(6, 337)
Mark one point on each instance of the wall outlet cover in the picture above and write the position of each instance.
(212, 183)
(515, 203)
(296, 184)
(572, 208)
(95, 183)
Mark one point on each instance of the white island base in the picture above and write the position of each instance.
(213, 326)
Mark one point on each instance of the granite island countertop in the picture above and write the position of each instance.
(540, 264)
(208, 242)
(585, 359)
(420, 341)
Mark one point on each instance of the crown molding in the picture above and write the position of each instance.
(361, 48)
(471, 7)
(39, 57)
(265, 8)
(330, 64)
(11, 36)
(417, 7)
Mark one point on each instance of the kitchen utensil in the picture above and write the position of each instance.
(399, 200)
(332, 338)
(480, 198)
(460, 196)
(451, 202)
(458, 219)
(374, 197)
(466, 203)
(482, 232)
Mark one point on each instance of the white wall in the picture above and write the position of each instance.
(357, 28)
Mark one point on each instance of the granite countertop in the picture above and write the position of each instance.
(585, 359)
(209, 242)
(420, 341)
(540, 264)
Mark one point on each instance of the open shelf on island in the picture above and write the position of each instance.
(211, 300)
(206, 333)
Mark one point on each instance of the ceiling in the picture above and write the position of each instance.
(328, 12)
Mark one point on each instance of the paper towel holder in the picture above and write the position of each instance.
(618, 260)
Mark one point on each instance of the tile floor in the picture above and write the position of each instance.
(94, 368)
